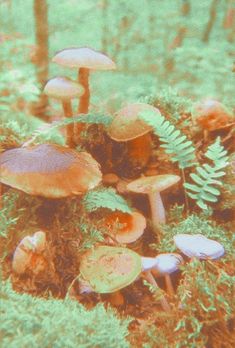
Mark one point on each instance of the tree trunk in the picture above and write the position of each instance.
(41, 56)
(211, 21)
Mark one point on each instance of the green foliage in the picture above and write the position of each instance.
(203, 315)
(175, 143)
(194, 224)
(38, 323)
(208, 176)
(7, 219)
(105, 198)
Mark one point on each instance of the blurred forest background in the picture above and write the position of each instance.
(165, 48)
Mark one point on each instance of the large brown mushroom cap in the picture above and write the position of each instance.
(63, 88)
(155, 183)
(127, 125)
(49, 170)
(84, 57)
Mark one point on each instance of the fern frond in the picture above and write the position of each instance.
(206, 176)
(175, 144)
(105, 198)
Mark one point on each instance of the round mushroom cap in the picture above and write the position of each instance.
(109, 269)
(210, 114)
(148, 263)
(63, 88)
(84, 57)
(49, 170)
(199, 246)
(168, 263)
(150, 184)
(132, 226)
(127, 125)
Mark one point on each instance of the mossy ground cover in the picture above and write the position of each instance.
(172, 65)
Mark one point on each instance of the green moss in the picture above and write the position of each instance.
(27, 321)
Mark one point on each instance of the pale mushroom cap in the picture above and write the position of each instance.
(127, 125)
(150, 184)
(109, 269)
(199, 246)
(63, 88)
(168, 263)
(148, 263)
(49, 170)
(136, 230)
(25, 249)
(84, 57)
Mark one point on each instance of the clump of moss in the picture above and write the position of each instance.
(28, 321)
(203, 314)
(194, 224)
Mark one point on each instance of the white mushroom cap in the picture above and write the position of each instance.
(199, 246)
(84, 57)
(148, 263)
(168, 263)
(63, 88)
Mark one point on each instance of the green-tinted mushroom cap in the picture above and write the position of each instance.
(151, 184)
(63, 88)
(109, 269)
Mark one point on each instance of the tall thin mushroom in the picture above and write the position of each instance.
(64, 89)
(84, 59)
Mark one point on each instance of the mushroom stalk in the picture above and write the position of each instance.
(157, 209)
(139, 149)
(164, 303)
(83, 106)
(169, 286)
(67, 107)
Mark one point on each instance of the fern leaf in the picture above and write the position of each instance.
(207, 176)
(174, 142)
(105, 198)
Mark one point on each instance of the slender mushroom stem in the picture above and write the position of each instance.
(67, 107)
(169, 286)
(164, 303)
(83, 106)
(185, 194)
(157, 209)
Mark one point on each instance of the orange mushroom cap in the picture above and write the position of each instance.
(63, 88)
(84, 57)
(127, 125)
(210, 114)
(49, 170)
(132, 225)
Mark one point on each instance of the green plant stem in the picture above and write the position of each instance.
(185, 194)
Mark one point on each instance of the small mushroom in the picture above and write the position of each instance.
(152, 186)
(210, 115)
(49, 170)
(84, 59)
(129, 227)
(28, 254)
(65, 90)
(128, 127)
(199, 246)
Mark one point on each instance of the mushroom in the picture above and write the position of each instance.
(152, 186)
(28, 254)
(199, 246)
(128, 127)
(84, 59)
(65, 90)
(210, 115)
(49, 170)
(129, 227)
